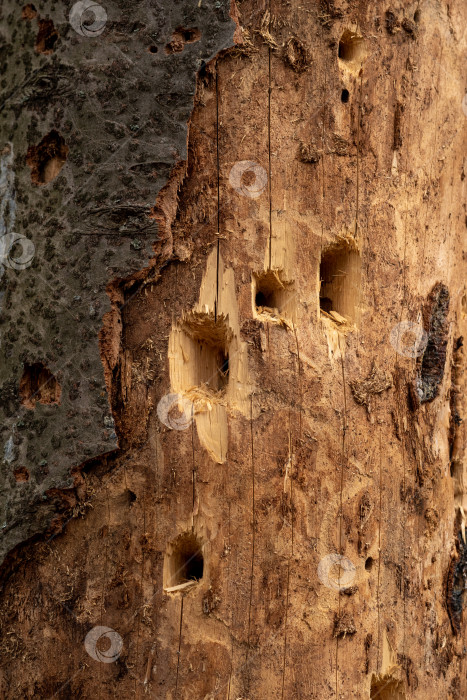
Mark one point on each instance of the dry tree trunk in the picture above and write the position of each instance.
(233, 375)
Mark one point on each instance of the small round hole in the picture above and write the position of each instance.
(184, 561)
(345, 94)
(153, 49)
(351, 49)
(369, 564)
(190, 35)
(131, 495)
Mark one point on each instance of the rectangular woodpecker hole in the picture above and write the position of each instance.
(212, 365)
(38, 384)
(184, 561)
(273, 295)
(205, 352)
(340, 278)
(386, 688)
(352, 49)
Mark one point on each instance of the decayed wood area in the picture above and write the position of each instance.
(284, 516)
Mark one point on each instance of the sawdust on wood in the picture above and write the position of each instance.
(376, 382)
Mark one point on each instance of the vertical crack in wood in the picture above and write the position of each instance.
(323, 155)
(403, 304)
(378, 583)
(216, 303)
(290, 464)
(253, 533)
(434, 155)
(341, 496)
(193, 469)
(179, 646)
(404, 270)
(142, 595)
(104, 578)
(228, 597)
(359, 114)
(269, 140)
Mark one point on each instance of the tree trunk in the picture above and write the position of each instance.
(233, 377)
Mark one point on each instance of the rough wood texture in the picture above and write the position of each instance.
(273, 412)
